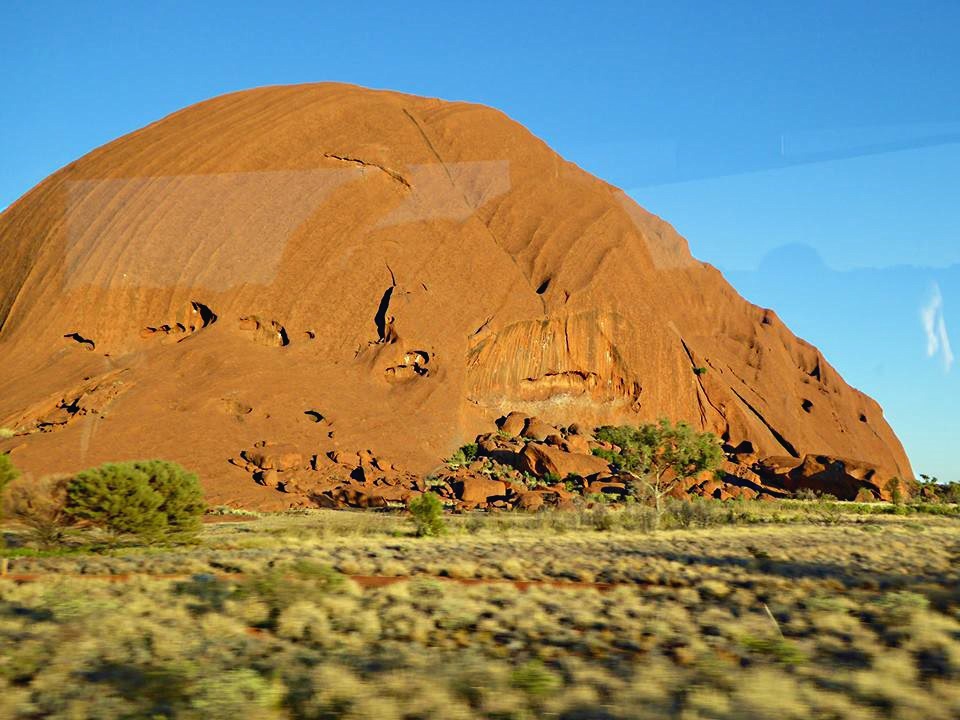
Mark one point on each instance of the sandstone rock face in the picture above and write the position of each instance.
(339, 269)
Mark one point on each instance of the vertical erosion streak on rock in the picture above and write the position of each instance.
(702, 395)
(784, 443)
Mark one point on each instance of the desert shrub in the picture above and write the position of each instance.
(531, 481)
(8, 471)
(207, 590)
(696, 512)
(534, 679)
(898, 608)
(572, 483)
(864, 496)
(829, 512)
(894, 486)
(433, 482)
(465, 454)
(427, 514)
(238, 693)
(602, 519)
(278, 587)
(40, 506)
(598, 498)
(150, 499)
(778, 648)
(948, 492)
(223, 510)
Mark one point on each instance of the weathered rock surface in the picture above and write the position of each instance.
(839, 477)
(411, 267)
(478, 490)
(542, 459)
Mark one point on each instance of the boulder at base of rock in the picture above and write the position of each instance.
(577, 444)
(608, 488)
(477, 490)
(536, 429)
(353, 497)
(839, 477)
(540, 460)
(274, 456)
(530, 501)
(513, 424)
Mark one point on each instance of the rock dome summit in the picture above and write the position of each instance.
(345, 276)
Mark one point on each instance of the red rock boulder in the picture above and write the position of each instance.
(540, 460)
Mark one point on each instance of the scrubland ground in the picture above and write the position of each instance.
(780, 611)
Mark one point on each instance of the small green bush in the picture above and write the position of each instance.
(464, 455)
(864, 496)
(279, 587)
(950, 492)
(237, 693)
(895, 488)
(778, 648)
(602, 519)
(534, 679)
(8, 471)
(427, 513)
(696, 512)
(900, 607)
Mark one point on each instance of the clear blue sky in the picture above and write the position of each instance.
(809, 150)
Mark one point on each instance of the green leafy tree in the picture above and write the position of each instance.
(150, 499)
(117, 498)
(427, 512)
(183, 503)
(659, 455)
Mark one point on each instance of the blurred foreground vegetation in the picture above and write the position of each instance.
(791, 609)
